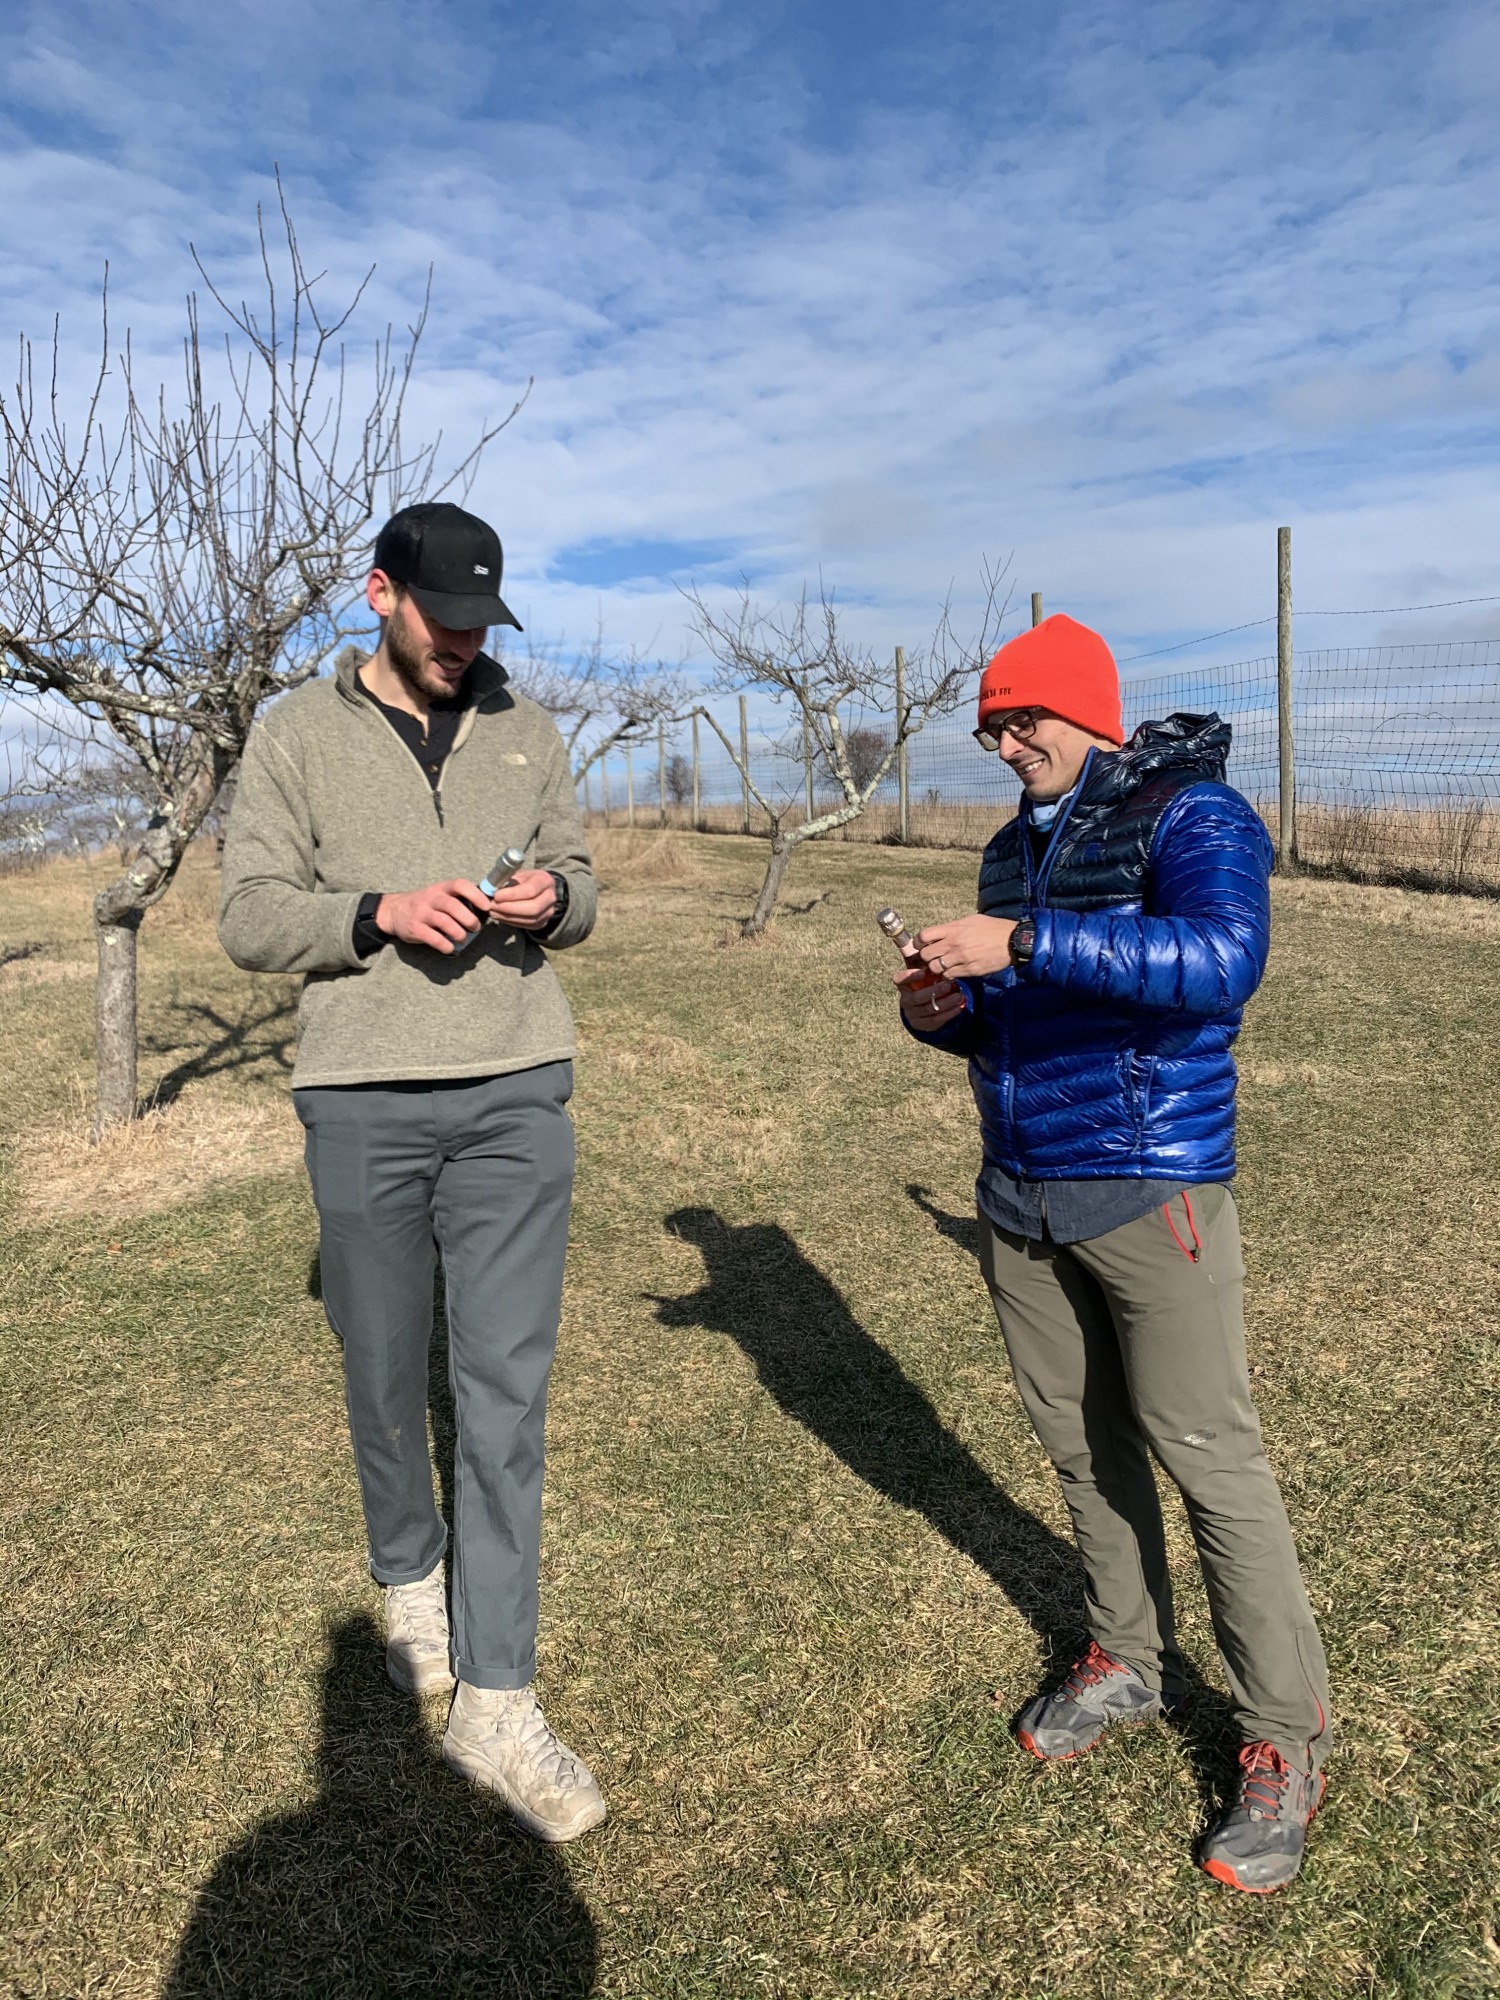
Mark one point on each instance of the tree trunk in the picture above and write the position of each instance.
(782, 846)
(117, 921)
(114, 1019)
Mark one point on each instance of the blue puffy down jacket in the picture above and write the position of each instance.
(1108, 1056)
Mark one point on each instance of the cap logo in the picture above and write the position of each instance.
(480, 570)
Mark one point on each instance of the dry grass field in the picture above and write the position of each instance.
(1451, 846)
(803, 1558)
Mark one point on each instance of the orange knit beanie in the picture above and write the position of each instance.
(1060, 665)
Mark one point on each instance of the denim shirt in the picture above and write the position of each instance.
(1067, 1211)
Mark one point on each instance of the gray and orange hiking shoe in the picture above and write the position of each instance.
(1257, 1845)
(1098, 1692)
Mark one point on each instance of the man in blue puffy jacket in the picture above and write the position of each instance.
(1124, 921)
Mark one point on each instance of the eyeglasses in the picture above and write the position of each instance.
(1020, 723)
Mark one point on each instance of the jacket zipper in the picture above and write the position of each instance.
(1008, 1097)
(1050, 857)
(460, 737)
(1036, 899)
(434, 792)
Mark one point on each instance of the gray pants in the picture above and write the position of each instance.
(1132, 1345)
(482, 1171)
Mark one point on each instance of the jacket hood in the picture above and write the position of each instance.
(1194, 745)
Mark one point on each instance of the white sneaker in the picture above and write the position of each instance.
(416, 1635)
(499, 1738)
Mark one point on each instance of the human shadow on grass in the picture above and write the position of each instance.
(826, 1371)
(960, 1229)
(396, 1880)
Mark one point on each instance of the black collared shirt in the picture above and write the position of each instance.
(430, 741)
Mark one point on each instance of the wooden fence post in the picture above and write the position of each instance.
(807, 768)
(903, 788)
(661, 770)
(604, 782)
(1287, 856)
(629, 784)
(1036, 607)
(697, 813)
(586, 806)
(744, 767)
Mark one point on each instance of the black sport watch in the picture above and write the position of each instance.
(1022, 942)
(560, 908)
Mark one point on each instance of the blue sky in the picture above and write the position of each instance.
(868, 292)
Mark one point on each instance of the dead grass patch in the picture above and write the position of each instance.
(747, 1147)
(664, 858)
(192, 902)
(200, 1140)
(43, 972)
(1418, 910)
(1267, 1075)
(651, 1055)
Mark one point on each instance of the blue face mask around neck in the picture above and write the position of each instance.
(1044, 814)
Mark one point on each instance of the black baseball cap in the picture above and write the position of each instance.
(450, 561)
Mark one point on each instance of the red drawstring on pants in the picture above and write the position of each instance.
(1197, 1250)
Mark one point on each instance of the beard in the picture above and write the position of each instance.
(409, 660)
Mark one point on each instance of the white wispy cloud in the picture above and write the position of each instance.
(1117, 289)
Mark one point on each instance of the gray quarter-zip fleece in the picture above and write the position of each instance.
(330, 804)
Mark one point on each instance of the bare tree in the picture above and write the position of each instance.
(171, 559)
(679, 779)
(600, 702)
(804, 656)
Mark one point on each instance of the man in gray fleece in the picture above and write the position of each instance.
(434, 1067)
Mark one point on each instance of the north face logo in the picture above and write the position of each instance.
(480, 570)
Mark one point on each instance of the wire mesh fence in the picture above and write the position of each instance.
(1397, 752)
(1397, 767)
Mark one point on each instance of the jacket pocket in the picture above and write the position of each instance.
(1136, 1068)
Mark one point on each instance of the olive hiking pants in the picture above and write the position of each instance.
(1131, 1346)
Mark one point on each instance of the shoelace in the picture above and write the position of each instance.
(416, 1612)
(536, 1741)
(1095, 1666)
(1263, 1779)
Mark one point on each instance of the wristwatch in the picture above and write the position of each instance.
(560, 908)
(1022, 942)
